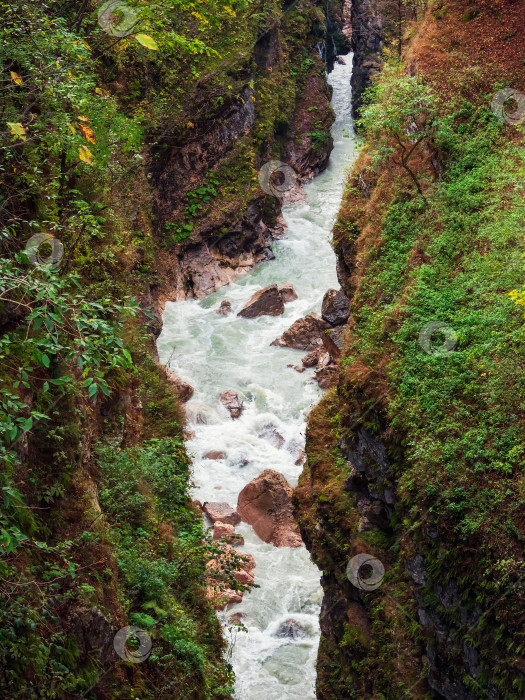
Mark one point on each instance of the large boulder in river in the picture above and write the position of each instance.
(265, 302)
(183, 389)
(287, 292)
(266, 504)
(305, 334)
(336, 307)
(231, 400)
(221, 512)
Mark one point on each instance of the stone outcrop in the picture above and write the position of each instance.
(221, 512)
(226, 531)
(305, 334)
(287, 292)
(184, 390)
(265, 302)
(265, 504)
(231, 401)
(336, 307)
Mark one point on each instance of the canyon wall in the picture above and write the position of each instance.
(392, 472)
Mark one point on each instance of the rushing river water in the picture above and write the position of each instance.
(215, 353)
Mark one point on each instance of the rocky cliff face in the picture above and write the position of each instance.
(442, 621)
(367, 43)
(214, 244)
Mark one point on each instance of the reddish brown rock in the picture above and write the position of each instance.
(265, 503)
(305, 334)
(227, 532)
(333, 342)
(231, 400)
(297, 452)
(221, 512)
(183, 389)
(265, 302)
(310, 360)
(327, 376)
(217, 590)
(287, 292)
(214, 454)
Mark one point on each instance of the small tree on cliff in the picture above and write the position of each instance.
(399, 114)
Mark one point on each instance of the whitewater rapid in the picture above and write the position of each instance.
(215, 353)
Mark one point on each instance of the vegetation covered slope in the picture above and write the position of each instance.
(418, 457)
(96, 527)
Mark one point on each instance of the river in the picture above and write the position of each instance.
(215, 353)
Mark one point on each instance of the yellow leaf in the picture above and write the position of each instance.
(199, 16)
(85, 154)
(88, 47)
(147, 41)
(17, 79)
(17, 130)
(84, 119)
(190, 125)
(87, 133)
(72, 129)
(230, 11)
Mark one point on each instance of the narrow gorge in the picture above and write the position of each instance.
(262, 349)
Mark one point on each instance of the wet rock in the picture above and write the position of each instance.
(271, 434)
(214, 454)
(336, 307)
(197, 504)
(310, 360)
(265, 302)
(327, 377)
(287, 292)
(225, 308)
(341, 60)
(297, 452)
(291, 629)
(235, 619)
(231, 400)
(183, 389)
(221, 512)
(266, 504)
(305, 334)
(226, 531)
(244, 576)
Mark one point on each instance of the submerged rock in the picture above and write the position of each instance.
(225, 308)
(230, 400)
(266, 504)
(336, 307)
(291, 629)
(214, 454)
(305, 334)
(271, 434)
(265, 302)
(221, 512)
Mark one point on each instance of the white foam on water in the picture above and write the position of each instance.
(215, 353)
